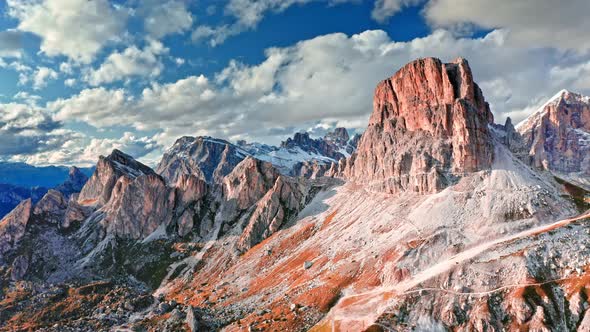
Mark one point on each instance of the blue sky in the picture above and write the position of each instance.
(81, 77)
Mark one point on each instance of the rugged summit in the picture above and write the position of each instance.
(205, 157)
(108, 170)
(302, 155)
(558, 136)
(429, 126)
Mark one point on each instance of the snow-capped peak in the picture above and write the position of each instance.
(563, 95)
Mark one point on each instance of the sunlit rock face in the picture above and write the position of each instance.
(108, 170)
(429, 126)
(13, 226)
(557, 136)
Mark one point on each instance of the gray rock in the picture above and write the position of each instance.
(192, 320)
(163, 307)
(19, 268)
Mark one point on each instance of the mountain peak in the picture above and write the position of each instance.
(558, 134)
(429, 125)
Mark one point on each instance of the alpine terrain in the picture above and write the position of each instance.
(434, 219)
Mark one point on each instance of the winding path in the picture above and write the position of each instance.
(364, 308)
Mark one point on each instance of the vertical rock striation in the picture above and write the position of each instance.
(428, 127)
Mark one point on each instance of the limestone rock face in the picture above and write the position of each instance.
(558, 134)
(75, 213)
(335, 145)
(52, 207)
(285, 199)
(190, 193)
(13, 226)
(204, 157)
(138, 206)
(311, 169)
(108, 170)
(428, 127)
(248, 182)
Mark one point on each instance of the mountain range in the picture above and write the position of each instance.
(19, 181)
(434, 219)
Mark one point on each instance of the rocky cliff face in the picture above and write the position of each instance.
(303, 155)
(52, 207)
(138, 206)
(109, 169)
(13, 226)
(558, 136)
(428, 127)
(204, 157)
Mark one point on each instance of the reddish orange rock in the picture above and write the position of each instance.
(429, 126)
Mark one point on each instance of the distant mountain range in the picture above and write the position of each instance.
(20, 181)
(28, 176)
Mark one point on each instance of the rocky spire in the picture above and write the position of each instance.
(429, 125)
(108, 170)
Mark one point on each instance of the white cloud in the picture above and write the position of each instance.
(27, 98)
(165, 17)
(70, 82)
(322, 82)
(41, 76)
(77, 29)
(384, 9)
(129, 143)
(247, 14)
(28, 129)
(131, 62)
(215, 35)
(535, 23)
(66, 68)
(98, 107)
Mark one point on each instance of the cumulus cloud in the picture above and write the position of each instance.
(10, 43)
(328, 80)
(131, 62)
(41, 76)
(322, 82)
(129, 143)
(27, 98)
(80, 150)
(162, 18)
(98, 107)
(384, 9)
(535, 23)
(27, 130)
(77, 29)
